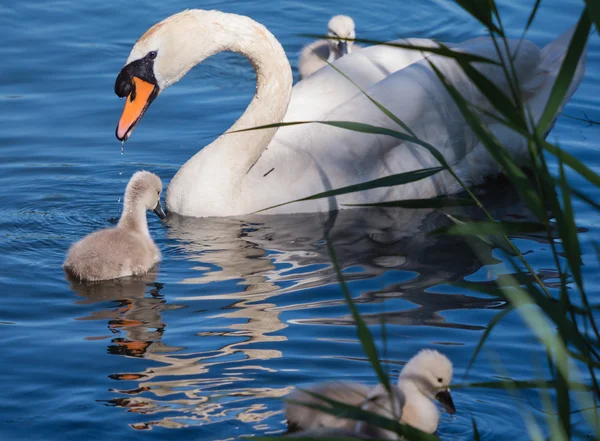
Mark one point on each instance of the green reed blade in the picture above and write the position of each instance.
(593, 7)
(481, 10)
(490, 228)
(566, 72)
(419, 203)
(497, 151)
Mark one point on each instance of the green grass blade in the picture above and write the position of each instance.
(377, 104)
(553, 310)
(584, 198)
(569, 236)
(528, 24)
(481, 10)
(590, 122)
(573, 163)
(373, 130)
(443, 51)
(345, 411)
(362, 330)
(566, 72)
(362, 128)
(510, 289)
(476, 435)
(497, 151)
(496, 97)
(490, 228)
(490, 288)
(522, 384)
(491, 325)
(388, 181)
(419, 203)
(531, 17)
(593, 7)
(563, 400)
(305, 438)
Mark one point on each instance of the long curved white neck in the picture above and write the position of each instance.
(214, 175)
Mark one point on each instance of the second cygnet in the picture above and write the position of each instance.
(313, 55)
(425, 377)
(126, 249)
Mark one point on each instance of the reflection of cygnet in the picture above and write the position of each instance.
(126, 249)
(313, 55)
(425, 378)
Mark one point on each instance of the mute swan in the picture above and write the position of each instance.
(126, 249)
(425, 378)
(240, 173)
(313, 55)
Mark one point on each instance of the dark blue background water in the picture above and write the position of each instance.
(241, 310)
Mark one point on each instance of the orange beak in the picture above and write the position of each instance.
(136, 104)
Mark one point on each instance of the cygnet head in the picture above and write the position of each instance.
(431, 372)
(143, 190)
(341, 26)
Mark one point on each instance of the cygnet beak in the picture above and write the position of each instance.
(161, 214)
(343, 47)
(445, 400)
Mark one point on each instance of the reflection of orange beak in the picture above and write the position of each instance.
(136, 104)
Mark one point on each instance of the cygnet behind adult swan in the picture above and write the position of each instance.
(313, 55)
(126, 249)
(425, 378)
(244, 172)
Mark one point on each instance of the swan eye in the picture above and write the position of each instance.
(152, 55)
(439, 380)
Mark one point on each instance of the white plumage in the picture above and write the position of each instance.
(126, 249)
(425, 378)
(245, 172)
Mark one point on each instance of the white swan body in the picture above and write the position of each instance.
(425, 378)
(313, 55)
(244, 172)
(127, 249)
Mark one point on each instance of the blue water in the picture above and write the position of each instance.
(241, 310)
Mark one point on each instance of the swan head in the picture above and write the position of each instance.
(341, 26)
(431, 372)
(144, 190)
(161, 57)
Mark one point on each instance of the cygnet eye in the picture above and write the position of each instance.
(439, 380)
(152, 55)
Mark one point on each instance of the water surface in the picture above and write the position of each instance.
(242, 309)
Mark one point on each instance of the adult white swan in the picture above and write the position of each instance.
(244, 172)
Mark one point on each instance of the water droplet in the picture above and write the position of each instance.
(122, 147)
(121, 173)
(119, 200)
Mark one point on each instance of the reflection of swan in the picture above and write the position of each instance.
(138, 312)
(426, 377)
(313, 55)
(244, 172)
(245, 278)
(285, 255)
